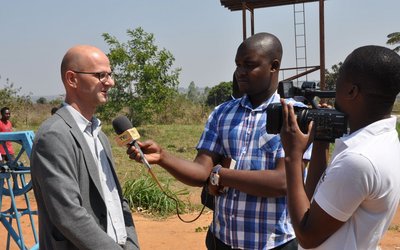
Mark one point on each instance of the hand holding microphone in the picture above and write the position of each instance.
(128, 135)
(149, 149)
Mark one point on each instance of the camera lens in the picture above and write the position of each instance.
(303, 118)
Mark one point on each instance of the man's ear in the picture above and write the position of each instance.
(275, 65)
(70, 79)
(354, 91)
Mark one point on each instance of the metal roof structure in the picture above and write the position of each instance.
(237, 4)
(250, 5)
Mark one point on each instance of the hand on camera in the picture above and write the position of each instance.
(293, 140)
(325, 105)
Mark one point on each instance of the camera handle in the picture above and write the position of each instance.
(311, 94)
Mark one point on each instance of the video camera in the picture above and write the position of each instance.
(329, 123)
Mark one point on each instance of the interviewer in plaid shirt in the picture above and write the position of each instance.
(251, 213)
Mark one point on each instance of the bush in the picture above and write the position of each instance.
(41, 100)
(219, 94)
(144, 194)
(182, 111)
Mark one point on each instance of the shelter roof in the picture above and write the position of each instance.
(234, 5)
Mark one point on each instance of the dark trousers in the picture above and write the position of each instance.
(213, 243)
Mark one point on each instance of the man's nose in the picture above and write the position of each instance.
(240, 71)
(110, 82)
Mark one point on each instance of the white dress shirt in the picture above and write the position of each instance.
(115, 219)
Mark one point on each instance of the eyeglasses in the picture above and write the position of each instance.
(102, 76)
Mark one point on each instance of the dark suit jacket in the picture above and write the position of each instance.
(65, 178)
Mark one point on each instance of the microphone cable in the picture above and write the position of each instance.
(176, 201)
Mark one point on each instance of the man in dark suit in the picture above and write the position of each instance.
(79, 198)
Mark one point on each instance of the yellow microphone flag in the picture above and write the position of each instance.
(127, 137)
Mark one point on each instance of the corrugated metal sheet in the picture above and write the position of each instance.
(234, 5)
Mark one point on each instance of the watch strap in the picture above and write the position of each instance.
(214, 176)
(216, 169)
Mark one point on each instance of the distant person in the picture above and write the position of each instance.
(350, 202)
(250, 208)
(6, 126)
(79, 197)
(53, 110)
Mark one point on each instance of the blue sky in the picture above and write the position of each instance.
(202, 35)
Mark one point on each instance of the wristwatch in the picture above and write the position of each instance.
(214, 176)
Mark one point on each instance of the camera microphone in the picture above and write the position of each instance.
(127, 135)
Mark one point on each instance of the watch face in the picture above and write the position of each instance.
(214, 179)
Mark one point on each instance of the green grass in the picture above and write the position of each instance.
(145, 195)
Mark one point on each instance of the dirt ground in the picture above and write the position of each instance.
(170, 233)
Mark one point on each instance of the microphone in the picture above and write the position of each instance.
(127, 135)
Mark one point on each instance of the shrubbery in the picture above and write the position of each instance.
(143, 194)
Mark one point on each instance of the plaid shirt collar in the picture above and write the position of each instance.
(245, 102)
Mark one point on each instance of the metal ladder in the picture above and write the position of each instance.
(300, 39)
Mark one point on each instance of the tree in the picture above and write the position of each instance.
(331, 77)
(20, 105)
(145, 82)
(193, 93)
(41, 100)
(330, 80)
(219, 94)
(57, 101)
(393, 39)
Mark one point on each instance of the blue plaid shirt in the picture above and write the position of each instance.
(236, 130)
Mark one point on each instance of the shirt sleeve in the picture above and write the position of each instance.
(345, 184)
(209, 139)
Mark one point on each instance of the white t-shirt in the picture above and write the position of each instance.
(361, 186)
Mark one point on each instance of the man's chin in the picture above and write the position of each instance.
(102, 101)
(103, 98)
(243, 89)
